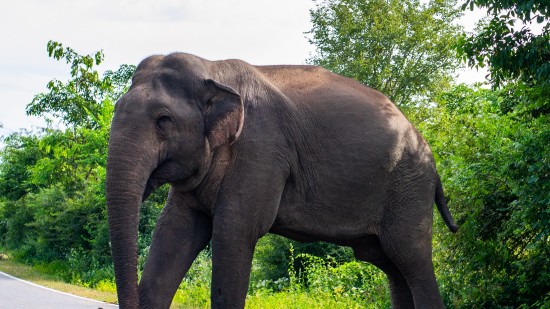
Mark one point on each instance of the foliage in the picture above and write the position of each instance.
(194, 290)
(508, 46)
(271, 259)
(80, 101)
(52, 204)
(318, 283)
(511, 53)
(494, 163)
(497, 179)
(273, 254)
(497, 147)
(402, 48)
(21, 151)
(360, 282)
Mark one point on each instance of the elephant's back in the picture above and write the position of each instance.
(322, 92)
(341, 110)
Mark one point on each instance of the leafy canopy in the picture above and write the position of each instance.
(494, 162)
(52, 204)
(80, 101)
(507, 44)
(402, 48)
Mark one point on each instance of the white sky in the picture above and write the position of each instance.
(259, 31)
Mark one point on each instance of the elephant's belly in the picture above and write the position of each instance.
(331, 216)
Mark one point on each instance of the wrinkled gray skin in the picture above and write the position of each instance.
(292, 150)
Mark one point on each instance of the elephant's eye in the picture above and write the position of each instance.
(163, 122)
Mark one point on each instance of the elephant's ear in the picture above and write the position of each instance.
(224, 114)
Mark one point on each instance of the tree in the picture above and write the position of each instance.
(85, 104)
(510, 53)
(494, 164)
(511, 50)
(501, 173)
(20, 151)
(402, 48)
(52, 203)
(80, 101)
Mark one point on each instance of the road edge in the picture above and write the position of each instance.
(50, 289)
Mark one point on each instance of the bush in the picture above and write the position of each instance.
(357, 281)
(494, 164)
(194, 290)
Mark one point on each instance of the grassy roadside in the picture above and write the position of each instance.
(31, 274)
(195, 294)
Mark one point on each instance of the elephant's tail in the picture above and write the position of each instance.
(443, 208)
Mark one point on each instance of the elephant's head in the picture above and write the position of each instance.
(165, 130)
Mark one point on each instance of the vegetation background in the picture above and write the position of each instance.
(491, 142)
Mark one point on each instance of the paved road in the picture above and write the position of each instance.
(19, 294)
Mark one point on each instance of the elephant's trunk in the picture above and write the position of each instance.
(128, 169)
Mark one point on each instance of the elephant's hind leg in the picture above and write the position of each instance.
(411, 257)
(371, 251)
(406, 230)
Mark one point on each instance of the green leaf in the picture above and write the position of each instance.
(401, 48)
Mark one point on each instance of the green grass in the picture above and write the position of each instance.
(195, 293)
(285, 299)
(300, 300)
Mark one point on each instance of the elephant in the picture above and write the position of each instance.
(294, 150)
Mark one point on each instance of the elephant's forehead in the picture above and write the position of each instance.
(167, 76)
(155, 97)
(183, 62)
(142, 97)
(178, 65)
(135, 100)
(167, 82)
(163, 76)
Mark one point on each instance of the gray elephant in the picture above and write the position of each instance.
(292, 150)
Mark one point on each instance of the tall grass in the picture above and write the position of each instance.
(319, 283)
(315, 283)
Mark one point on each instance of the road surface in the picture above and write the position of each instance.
(19, 294)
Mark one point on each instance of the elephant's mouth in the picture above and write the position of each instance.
(160, 176)
(152, 185)
(167, 172)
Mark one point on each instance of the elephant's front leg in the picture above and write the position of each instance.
(232, 252)
(181, 233)
(241, 217)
